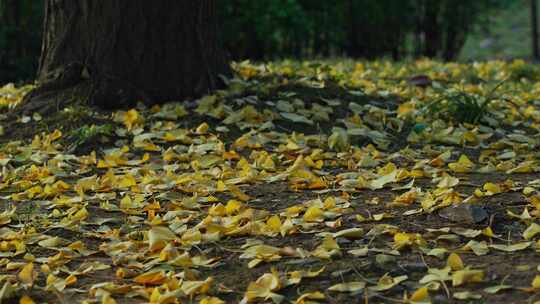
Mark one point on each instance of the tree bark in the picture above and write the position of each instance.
(431, 28)
(353, 45)
(113, 53)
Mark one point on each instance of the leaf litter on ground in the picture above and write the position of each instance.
(296, 184)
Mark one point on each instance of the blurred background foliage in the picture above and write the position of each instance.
(368, 29)
(20, 38)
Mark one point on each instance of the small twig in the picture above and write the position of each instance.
(446, 290)
(363, 277)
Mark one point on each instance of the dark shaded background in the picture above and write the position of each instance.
(270, 29)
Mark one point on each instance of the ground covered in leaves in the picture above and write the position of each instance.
(303, 182)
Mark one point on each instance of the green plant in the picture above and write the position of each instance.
(462, 107)
(86, 133)
(525, 71)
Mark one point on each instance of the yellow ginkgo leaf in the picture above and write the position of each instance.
(351, 233)
(387, 282)
(155, 277)
(274, 224)
(420, 295)
(294, 277)
(463, 165)
(314, 214)
(466, 275)
(239, 194)
(328, 248)
(202, 128)
(27, 274)
(233, 207)
(26, 300)
(536, 282)
(492, 188)
(454, 261)
(131, 118)
(264, 288)
(408, 197)
(310, 297)
(126, 181)
(405, 108)
(211, 300)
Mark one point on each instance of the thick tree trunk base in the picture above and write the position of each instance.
(73, 86)
(113, 54)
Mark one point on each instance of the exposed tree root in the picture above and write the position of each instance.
(74, 86)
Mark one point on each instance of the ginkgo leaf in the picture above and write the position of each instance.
(191, 288)
(438, 252)
(310, 297)
(295, 277)
(466, 295)
(328, 248)
(454, 261)
(174, 192)
(352, 287)
(380, 182)
(463, 165)
(274, 223)
(26, 300)
(239, 194)
(421, 295)
(466, 275)
(535, 284)
(264, 288)
(479, 248)
(351, 233)
(131, 118)
(448, 182)
(211, 300)
(469, 233)
(511, 248)
(314, 214)
(51, 242)
(339, 140)
(386, 282)
(492, 188)
(497, 288)
(296, 118)
(159, 236)
(154, 277)
(531, 231)
(360, 252)
(27, 275)
(7, 291)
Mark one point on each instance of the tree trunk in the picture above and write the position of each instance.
(353, 45)
(431, 28)
(114, 53)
